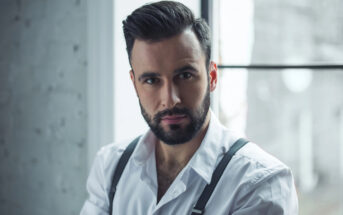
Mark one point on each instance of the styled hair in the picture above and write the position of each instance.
(162, 20)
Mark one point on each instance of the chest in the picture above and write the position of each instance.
(137, 194)
(165, 177)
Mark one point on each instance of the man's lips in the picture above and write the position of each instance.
(174, 119)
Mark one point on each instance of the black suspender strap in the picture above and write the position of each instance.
(119, 170)
(207, 192)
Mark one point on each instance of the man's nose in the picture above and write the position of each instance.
(170, 96)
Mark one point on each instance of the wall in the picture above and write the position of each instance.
(43, 153)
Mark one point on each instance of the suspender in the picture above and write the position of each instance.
(120, 168)
(206, 193)
(218, 172)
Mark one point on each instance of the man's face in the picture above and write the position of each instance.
(173, 85)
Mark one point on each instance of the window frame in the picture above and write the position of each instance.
(207, 8)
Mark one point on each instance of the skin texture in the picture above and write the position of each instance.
(171, 74)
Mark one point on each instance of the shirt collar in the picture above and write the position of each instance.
(144, 149)
(205, 158)
(212, 146)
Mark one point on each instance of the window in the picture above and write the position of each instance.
(281, 75)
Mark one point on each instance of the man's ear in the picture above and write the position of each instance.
(213, 73)
(132, 76)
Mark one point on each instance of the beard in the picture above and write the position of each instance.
(178, 134)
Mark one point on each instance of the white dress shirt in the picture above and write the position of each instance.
(254, 182)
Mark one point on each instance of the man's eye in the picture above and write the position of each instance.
(185, 75)
(151, 80)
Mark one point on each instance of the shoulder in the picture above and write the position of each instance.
(257, 165)
(260, 177)
(253, 154)
(251, 164)
(106, 160)
(99, 179)
(108, 156)
(110, 151)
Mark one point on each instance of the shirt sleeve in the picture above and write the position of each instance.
(97, 201)
(269, 193)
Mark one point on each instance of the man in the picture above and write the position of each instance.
(169, 52)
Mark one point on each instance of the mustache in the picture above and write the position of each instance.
(169, 112)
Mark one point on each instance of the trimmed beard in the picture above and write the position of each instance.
(177, 133)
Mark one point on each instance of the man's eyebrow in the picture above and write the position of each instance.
(148, 75)
(184, 68)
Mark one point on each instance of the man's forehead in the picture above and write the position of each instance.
(182, 47)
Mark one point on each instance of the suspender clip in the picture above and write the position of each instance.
(196, 211)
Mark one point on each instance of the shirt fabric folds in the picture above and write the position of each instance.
(253, 183)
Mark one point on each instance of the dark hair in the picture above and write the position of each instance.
(162, 20)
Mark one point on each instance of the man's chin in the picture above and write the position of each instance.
(175, 141)
(172, 136)
(172, 128)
